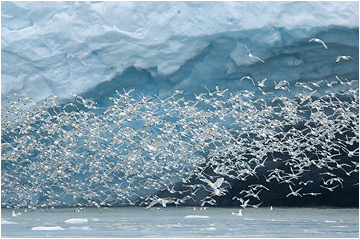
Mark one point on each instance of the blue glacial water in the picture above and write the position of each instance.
(182, 222)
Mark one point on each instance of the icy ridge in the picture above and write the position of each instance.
(77, 45)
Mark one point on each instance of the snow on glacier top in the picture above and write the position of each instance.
(77, 45)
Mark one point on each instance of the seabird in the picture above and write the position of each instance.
(251, 55)
(319, 41)
(237, 214)
(343, 57)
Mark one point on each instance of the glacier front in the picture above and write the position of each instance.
(66, 47)
(179, 103)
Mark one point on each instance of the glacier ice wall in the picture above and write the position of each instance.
(70, 46)
(96, 48)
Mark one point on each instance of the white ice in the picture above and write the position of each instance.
(77, 45)
(76, 220)
(43, 228)
(196, 216)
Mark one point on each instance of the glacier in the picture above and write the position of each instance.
(89, 55)
(167, 45)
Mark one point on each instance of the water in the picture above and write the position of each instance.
(171, 222)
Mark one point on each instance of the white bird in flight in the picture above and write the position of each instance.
(215, 186)
(319, 41)
(343, 57)
(330, 189)
(262, 83)
(251, 55)
(244, 204)
(248, 77)
(163, 201)
(294, 193)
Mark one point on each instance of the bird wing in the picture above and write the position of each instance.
(206, 181)
(312, 39)
(324, 45)
(218, 182)
(247, 49)
(153, 203)
(245, 77)
(258, 59)
(248, 77)
(130, 91)
(319, 82)
(263, 81)
(164, 201)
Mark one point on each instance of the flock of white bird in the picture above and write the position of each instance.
(80, 154)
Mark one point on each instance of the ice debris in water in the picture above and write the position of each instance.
(43, 228)
(76, 220)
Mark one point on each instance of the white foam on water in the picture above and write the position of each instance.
(161, 225)
(330, 221)
(174, 225)
(276, 220)
(76, 220)
(3, 221)
(310, 231)
(81, 228)
(42, 228)
(210, 228)
(196, 216)
(234, 229)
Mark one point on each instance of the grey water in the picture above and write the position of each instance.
(182, 222)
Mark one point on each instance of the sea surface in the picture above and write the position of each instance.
(181, 222)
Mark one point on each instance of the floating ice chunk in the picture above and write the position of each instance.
(42, 228)
(196, 216)
(76, 220)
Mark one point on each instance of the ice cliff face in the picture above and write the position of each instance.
(66, 47)
(306, 111)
